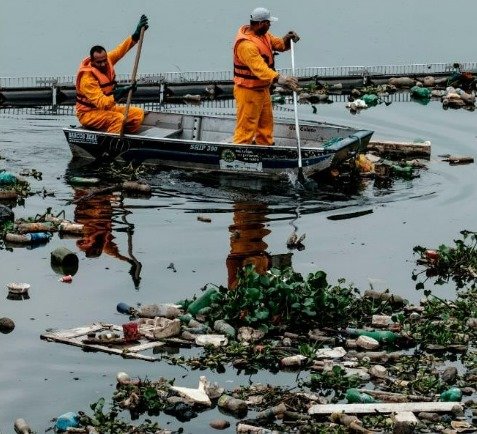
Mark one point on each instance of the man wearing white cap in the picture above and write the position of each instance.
(254, 72)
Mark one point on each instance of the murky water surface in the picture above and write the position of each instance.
(154, 249)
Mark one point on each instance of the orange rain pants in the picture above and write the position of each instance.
(246, 241)
(111, 120)
(254, 116)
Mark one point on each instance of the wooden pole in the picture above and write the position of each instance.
(133, 81)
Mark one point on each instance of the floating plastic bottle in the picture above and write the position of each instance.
(7, 178)
(21, 427)
(79, 180)
(71, 228)
(384, 336)
(165, 310)
(233, 405)
(271, 412)
(278, 99)
(67, 420)
(186, 319)
(225, 328)
(205, 300)
(66, 279)
(420, 92)
(140, 187)
(370, 99)
(403, 171)
(126, 309)
(454, 394)
(354, 396)
(32, 238)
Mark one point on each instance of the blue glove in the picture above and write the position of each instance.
(142, 23)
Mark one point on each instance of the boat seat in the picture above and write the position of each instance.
(156, 132)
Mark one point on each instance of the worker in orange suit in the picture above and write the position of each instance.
(97, 92)
(254, 73)
(246, 240)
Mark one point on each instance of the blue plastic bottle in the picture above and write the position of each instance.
(67, 420)
(125, 308)
(38, 237)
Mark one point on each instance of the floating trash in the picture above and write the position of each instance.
(17, 288)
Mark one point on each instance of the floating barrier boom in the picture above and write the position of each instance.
(158, 87)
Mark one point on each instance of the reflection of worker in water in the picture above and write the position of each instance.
(95, 212)
(246, 240)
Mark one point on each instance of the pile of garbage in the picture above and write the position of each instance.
(366, 362)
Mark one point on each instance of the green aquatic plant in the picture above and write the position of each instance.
(283, 297)
(335, 380)
(456, 263)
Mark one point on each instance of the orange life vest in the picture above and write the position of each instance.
(107, 83)
(243, 76)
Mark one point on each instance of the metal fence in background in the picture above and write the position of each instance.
(220, 76)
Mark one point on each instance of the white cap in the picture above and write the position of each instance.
(262, 14)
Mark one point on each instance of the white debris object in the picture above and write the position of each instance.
(215, 340)
(330, 353)
(197, 395)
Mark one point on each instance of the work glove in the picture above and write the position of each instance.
(122, 91)
(142, 23)
(291, 35)
(289, 82)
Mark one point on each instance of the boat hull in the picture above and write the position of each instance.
(209, 155)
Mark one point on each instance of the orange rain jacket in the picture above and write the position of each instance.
(95, 105)
(254, 62)
(253, 75)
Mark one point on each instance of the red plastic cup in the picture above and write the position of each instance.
(131, 331)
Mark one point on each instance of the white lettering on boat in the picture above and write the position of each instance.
(81, 137)
(240, 159)
(203, 147)
(303, 128)
(241, 166)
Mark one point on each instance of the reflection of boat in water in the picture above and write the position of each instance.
(203, 143)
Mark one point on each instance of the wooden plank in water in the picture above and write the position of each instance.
(408, 149)
(384, 407)
(76, 336)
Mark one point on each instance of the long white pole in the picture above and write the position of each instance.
(295, 109)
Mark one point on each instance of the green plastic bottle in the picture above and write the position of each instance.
(354, 396)
(420, 92)
(225, 328)
(403, 171)
(384, 336)
(370, 99)
(205, 300)
(454, 394)
(278, 99)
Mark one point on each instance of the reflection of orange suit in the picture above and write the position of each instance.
(96, 215)
(95, 105)
(246, 241)
(253, 74)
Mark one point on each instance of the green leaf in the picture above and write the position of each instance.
(265, 280)
(420, 285)
(252, 294)
(262, 314)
